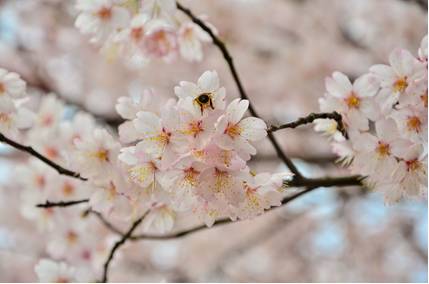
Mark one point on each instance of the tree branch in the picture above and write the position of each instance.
(118, 244)
(49, 204)
(229, 60)
(310, 118)
(311, 185)
(423, 4)
(34, 153)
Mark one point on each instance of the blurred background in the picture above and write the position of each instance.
(283, 50)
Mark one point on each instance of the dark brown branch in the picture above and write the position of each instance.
(311, 185)
(118, 244)
(327, 181)
(34, 153)
(310, 118)
(49, 204)
(228, 58)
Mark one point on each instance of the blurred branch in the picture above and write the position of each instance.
(34, 153)
(310, 118)
(229, 60)
(118, 244)
(49, 204)
(423, 4)
(42, 83)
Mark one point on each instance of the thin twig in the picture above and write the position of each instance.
(49, 204)
(34, 153)
(118, 244)
(229, 60)
(310, 118)
(103, 220)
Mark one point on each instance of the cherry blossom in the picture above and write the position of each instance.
(49, 271)
(96, 155)
(11, 85)
(99, 18)
(13, 118)
(237, 133)
(396, 79)
(190, 40)
(203, 97)
(353, 101)
(387, 144)
(329, 127)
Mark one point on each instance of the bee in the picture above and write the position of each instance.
(204, 101)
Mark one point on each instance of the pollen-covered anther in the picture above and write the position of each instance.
(233, 130)
(400, 85)
(383, 149)
(102, 155)
(413, 165)
(414, 123)
(352, 101)
(104, 13)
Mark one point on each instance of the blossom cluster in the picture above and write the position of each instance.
(81, 241)
(13, 115)
(140, 30)
(189, 156)
(386, 116)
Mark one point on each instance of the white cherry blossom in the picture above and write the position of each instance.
(236, 133)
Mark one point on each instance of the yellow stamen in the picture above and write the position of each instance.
(414, 123)
(102, 155)
(233, 130)
(383, 149)
(400, 85)
(352, 101)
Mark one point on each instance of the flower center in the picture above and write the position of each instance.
(2, 89)
(164, 137)
(68, 189)
(40, 181)
(102, 155)
(188, 33)
(352, 101)
(195, 127)
(413, 165)
(105, 13)
(191, 176)
(383, 149)
(4, 118)
(414, 123)
(47, 120)
(71, 237)
(51, 152)
(400, 85)
(137, 33)
(233, 130)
